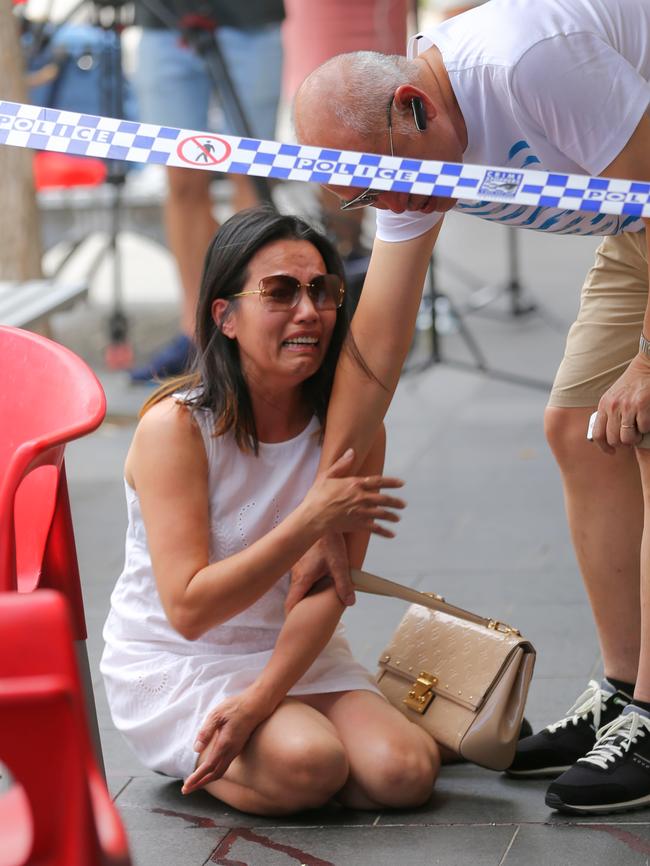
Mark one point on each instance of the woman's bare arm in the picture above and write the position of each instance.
(311, 623)
(167, 466)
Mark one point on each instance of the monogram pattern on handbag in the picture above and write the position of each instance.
(461, 677)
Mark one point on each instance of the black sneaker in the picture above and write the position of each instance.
(614, 776)
(555, 749)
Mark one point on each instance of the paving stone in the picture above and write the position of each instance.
(563, 636)
(155, 838)
(162, 796)
(376, 846)
(118, 757)
(576, 844)
(470, 795)
(117, 783)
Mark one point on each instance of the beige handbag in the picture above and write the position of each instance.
(460, 676)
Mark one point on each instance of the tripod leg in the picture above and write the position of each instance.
(119, 352)
(436, 354)
(517, 306)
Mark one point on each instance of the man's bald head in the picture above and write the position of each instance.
(344, 102)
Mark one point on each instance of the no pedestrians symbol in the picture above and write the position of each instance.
(203, 150)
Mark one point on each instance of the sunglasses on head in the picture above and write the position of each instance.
(281, 292)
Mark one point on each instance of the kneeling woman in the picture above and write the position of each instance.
(222, 501)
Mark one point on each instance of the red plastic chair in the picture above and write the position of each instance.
(58, 811)
(48, 396)
(57, 170)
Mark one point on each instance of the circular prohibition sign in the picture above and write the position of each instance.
(203, 150)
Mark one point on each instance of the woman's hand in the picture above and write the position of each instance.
(327, 558)
(223, 735)
(352, 504)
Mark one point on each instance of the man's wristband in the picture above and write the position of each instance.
(644, 346)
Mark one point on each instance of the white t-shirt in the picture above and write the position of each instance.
(558, 85)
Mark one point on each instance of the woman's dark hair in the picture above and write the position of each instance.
(216, 381)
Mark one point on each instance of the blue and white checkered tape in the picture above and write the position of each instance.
(40, 128)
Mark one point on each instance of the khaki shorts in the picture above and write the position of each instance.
(605, 336)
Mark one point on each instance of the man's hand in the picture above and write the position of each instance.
(328, 557)
(624, 410)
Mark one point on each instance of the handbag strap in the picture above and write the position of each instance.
(364, 581)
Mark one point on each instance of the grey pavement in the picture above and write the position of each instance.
(485, 527)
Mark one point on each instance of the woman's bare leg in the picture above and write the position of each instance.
(294, 761)
(393, 763)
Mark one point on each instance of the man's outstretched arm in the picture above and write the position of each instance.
(383, 328)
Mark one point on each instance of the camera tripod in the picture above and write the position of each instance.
(435, 304)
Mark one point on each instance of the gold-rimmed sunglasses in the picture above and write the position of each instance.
(281, 292)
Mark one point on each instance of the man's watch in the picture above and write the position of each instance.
(644, 346)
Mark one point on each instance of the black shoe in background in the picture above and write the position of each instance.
(556, 748)
(614, 776)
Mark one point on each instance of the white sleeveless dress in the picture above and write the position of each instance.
(161, 686)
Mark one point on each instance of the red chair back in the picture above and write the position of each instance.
(48, 396)
(58, 813)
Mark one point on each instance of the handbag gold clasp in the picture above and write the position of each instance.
(421, 693)
(502, 627)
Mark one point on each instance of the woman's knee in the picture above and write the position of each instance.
(404, 772)
(311, 771)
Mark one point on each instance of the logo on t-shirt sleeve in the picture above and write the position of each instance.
(500, 183)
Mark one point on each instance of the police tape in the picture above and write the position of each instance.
(32, 126)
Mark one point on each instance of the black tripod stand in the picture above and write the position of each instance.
(436, 302)
(511, 289)
(111, 18)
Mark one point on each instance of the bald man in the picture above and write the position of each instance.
(561, 86)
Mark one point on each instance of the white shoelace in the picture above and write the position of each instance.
(592, 700)
(614, 739)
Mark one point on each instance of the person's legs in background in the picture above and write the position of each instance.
(174, 89)
(615, 775)
(605, 509)
(254, 61)
(190, 226)
(603, 495)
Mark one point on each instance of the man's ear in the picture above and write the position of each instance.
(222, 318)
(416, 101)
